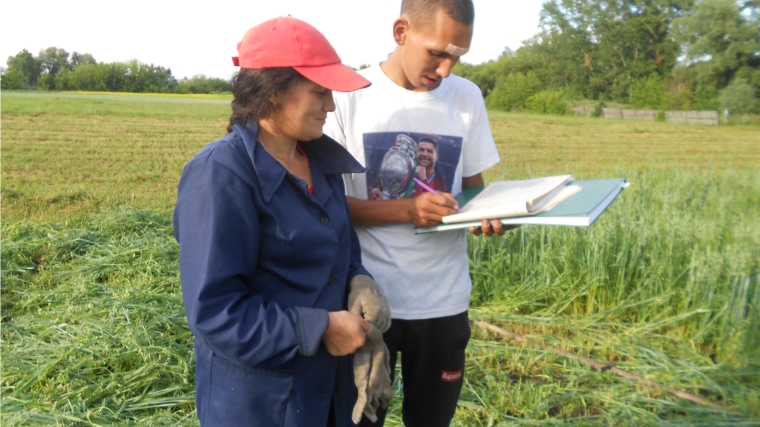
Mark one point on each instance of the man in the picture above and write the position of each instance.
(427, 155)
(425, 277)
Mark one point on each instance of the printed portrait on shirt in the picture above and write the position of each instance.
(394, 159)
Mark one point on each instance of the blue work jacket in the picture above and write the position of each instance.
(262, 261)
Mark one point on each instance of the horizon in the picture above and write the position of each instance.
(177, 42)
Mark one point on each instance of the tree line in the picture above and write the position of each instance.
(653, 54)
(56, 69)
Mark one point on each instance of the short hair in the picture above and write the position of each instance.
(252, 90)
(462, 11)
(429, 140)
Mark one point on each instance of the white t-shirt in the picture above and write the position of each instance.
(423, 276)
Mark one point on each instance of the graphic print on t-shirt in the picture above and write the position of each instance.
(394, 159)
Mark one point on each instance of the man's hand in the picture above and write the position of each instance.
(427, 209)
(491, 227)
(421, 173)
(375, 194)
(346, 332)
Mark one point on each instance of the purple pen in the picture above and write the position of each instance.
(428, 188)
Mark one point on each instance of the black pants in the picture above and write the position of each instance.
(432, 367)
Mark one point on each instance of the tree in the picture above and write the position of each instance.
(511, 92)
(596, 48)
(547, 102)
(78, 59)
(738, 98)
(203, 84)
(720, 42)
(648, 92)
(53, 61)
(23, 70)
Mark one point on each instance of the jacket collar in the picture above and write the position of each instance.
(329, 156)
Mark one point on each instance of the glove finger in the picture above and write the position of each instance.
(384, 320)
(379, 374)
(361, 379)
(372, 404)
(369, 414)
(360, 407)
(354, 303)
(387, 390)
(370, 411)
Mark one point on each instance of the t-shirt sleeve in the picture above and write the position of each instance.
(336, 121)
(479, 148)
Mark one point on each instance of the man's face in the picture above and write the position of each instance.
(426, 155)
(424, 58)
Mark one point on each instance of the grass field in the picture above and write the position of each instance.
(665, 285)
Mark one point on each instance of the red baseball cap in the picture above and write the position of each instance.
(290, 42)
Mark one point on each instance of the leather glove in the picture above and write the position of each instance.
(366, 300)
(372, 374)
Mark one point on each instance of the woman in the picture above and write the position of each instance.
(267, 249)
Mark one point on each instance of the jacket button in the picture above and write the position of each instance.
(325, 219)
(331, 282)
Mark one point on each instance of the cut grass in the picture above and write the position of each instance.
(68, 155)
(665, 285)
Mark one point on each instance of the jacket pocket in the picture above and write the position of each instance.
(242, 396)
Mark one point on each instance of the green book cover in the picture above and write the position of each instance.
(592, 193)
(581, 209)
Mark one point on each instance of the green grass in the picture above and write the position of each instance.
(665, 285)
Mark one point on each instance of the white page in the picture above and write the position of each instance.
(548, 202)
(500, 211)
(508, 199)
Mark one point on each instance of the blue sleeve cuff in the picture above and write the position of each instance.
(311, 324)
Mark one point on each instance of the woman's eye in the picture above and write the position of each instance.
(434, 53)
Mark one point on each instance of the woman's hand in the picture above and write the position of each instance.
(345, 333)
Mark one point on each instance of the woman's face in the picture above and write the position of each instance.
(304, 110)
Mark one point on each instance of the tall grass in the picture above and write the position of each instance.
(664, 285)
(93, 324)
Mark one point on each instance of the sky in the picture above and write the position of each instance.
(200, 38)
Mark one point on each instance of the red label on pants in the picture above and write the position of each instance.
(451, 377)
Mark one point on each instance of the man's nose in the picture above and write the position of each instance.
(444, 68)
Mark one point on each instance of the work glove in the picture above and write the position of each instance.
(372, 374)
(366, 300)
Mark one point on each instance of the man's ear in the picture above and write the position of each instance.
(400, 29)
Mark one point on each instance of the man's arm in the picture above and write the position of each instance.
(425, 210)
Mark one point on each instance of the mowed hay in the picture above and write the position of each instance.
(67, 155)
(665, 285)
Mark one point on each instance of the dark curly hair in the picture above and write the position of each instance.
(254, 89)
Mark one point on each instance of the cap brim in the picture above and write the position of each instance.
(337, 77)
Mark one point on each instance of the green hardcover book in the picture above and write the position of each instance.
(580, 210)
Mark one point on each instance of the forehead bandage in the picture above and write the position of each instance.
(456, 51)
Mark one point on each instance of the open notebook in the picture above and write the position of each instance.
(579, 210)
(505, 199)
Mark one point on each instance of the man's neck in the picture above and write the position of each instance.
(393, 68)
(429, 172)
